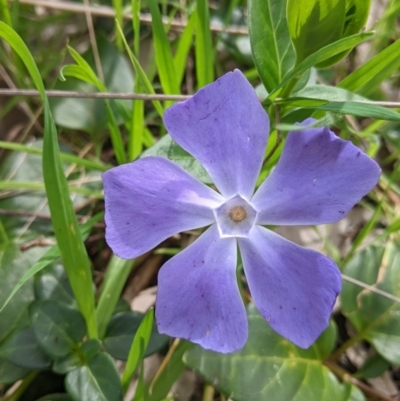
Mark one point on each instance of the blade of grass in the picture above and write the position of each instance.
(164, 59)
(204, 49)
(147, 86)
(138, 347)
(135, 144)
(114, 280)
(64, 156)
(184, 45)
(40, 186)
(119, 14)
(73, 253)
(84, 72)
(367, 77)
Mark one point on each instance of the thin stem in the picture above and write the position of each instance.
(346, 345)
(208, 393)
(15, 395)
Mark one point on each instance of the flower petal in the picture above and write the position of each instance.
(225, 127)
(293, 288)
(198, 297)
(151, 199)
(317, 180)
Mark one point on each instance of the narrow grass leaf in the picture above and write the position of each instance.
(18, 147)
(204, 49)
(367, 77)
(147, 86)
(184, 45)
(164, 59)
(114, 280)
(320, 56)
(139, 345)
(69, 239)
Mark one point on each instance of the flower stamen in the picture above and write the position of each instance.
(238, 214)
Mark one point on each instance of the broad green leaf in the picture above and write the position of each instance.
(374, 366)
(356, 16)
(98, 380)
(164, 59)
(166, 147)
(55, 397)
(52, 285)
(376, 318)
(270, 368)
(57, 327)
(69, 239)
(22, 349)
(138, 347)
(67, 363)
(314, 24)
(321, 55)
(120, 333)
(272, 49)
(372, 73)
(204, 48)
(50, 256)
(114, 281)
(13, 265)
(10, 373)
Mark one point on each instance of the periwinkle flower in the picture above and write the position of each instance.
(317, 180)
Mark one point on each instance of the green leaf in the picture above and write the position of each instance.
(114, 281)
(98, 380)
(357, 12)
(184, 45)
(160, 386)
(58, 328)
(52, 284)
(22, 349)
(204, 48)
(67, 363)
(147, 86)
(374, 366)
(138, 347)
(376, 318)
(50, 256)
(69, 239)
(270, 368)
(10, 372)
(372, 73)
(55, 397)
(272, 49)
(360, 109)
(89, 115)
(166, 147)
(321, 55)
(164, 59)
(120, 333)
(314, 24)
(13, 265)
(330, 93)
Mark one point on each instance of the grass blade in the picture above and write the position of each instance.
(68, 235)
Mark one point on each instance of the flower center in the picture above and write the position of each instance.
(235, 217)
(238, 214)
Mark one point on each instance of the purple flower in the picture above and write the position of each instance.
(318, 179)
